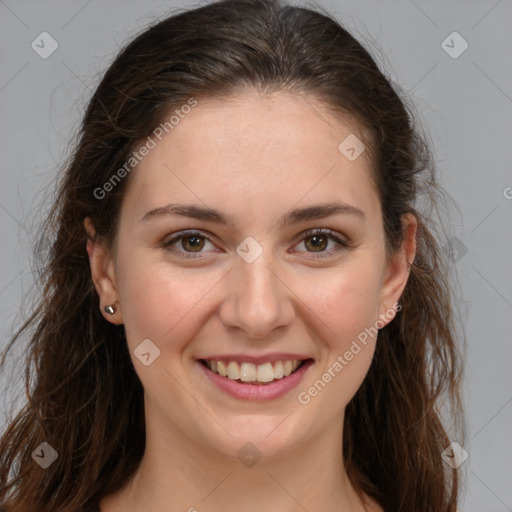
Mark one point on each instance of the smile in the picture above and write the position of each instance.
(249, 372)
(250, 381)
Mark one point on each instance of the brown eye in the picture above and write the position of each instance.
(193, 243)
(318, 242)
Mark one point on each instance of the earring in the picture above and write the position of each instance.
(110, 310)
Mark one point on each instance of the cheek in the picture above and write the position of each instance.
(162, 303)
(345, 304)
(345, 300)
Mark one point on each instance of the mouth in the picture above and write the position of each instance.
(250, 373)
(251, 381)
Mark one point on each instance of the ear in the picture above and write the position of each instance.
(397, 270)
(103, 274)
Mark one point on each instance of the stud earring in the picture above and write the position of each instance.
(110, 310)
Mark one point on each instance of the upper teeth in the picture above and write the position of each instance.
(249, 372)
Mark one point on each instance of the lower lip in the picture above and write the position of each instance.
(257, 392)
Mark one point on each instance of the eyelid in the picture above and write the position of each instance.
(167, 245)
(323, 232)
(339, 239)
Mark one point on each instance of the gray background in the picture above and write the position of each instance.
(465, 103)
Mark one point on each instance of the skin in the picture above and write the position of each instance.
(254, 158)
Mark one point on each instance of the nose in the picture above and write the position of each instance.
(257, 299)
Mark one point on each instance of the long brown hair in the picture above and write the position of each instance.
(84, 397)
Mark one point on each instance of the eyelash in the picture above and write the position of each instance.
(314, 232)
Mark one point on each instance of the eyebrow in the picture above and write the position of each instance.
(295, 216)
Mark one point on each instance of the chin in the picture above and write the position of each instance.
(256, 436)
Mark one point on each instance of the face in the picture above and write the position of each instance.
(254, 281)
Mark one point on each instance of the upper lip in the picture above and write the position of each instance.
(247, 358)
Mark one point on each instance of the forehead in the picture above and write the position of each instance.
(253, 153)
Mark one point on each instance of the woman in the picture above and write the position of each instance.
(243, 307)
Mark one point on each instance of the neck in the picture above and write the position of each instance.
(178, 473)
